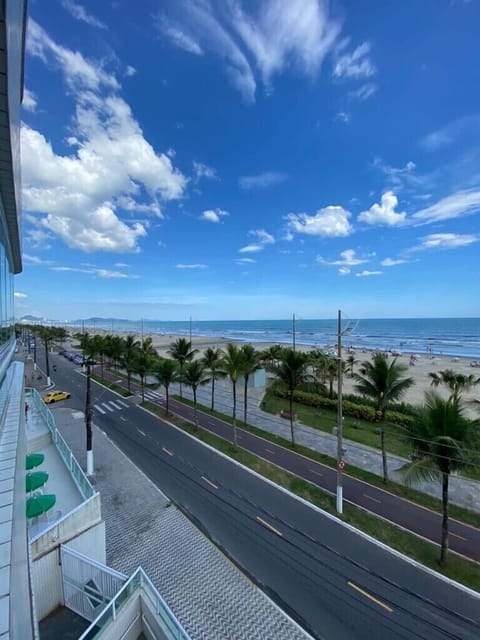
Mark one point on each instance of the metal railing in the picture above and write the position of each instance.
(76, 471)
(168, 623)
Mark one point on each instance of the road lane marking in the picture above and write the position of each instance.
(269, 450)
(317, 473)
(457, 536)
(370, 597)
(124, 404)
(99, 409)
(117, 406)
(372, 498)
(269, 526)
(140, 432)
(170, 453)
(123, 419)
(209, 482)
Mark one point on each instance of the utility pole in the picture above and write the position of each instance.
(293, 331)
(88, 422)
(190, 328)
(340, 462)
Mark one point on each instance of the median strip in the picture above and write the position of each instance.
(370, 597)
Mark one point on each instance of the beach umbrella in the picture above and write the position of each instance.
(35, 480)
(33, 460)
(39, 504)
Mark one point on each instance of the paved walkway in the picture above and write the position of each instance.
(211, 598)
(463, 492)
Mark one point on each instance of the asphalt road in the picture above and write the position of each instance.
(331, 580)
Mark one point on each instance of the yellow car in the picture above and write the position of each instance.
(55, 396)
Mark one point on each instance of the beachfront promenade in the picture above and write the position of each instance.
(463, 491)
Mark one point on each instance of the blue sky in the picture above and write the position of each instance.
(250, 160)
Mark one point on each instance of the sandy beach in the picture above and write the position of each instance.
(419, 370)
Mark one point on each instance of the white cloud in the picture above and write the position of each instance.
(348, 258)
(191, 266)
(79, 12)
(29, 102)
(364, 92)
(390, 262)
(111, 166)
(17, 294)
(201, 170)
(366, 274)
(344, 271)
(457, 205)
(262, 238)
(399, 177)
(329, 222)
(29, 259)
(244, 260)
(130, 71)
(100, 273)
(297, 34)
(445, 241)
(343, 116)
(447, 135)
(384, 213)
(262, 180)
(251, 248)
(213, 215)
(356, 64)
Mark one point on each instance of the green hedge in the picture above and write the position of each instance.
(355, 410)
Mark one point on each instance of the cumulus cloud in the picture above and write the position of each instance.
(348, 258)
(277, 35)
(356, 64)
(29, 102)
(213, 215)
(17, 294)
(79, 12)
(262, 180)
(80, 196)
(384, 213)
(329, 222)
(201, 170)
(445, 241)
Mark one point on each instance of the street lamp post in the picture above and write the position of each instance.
(88, 422)
(340, 462)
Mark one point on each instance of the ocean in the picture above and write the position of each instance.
(440, 336)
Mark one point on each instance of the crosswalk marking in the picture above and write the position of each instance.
(124, 404)
(115, 405)
(99, 409)
(107, 406)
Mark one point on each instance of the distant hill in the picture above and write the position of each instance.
(31, 319)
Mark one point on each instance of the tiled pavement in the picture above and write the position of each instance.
(210, 596)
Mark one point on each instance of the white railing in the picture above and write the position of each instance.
(76, 471)
(170, 626)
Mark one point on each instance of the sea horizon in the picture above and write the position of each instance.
(435, 336)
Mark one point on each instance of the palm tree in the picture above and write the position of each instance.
(384, 383)
(212, 359)
(127, 359)
(232, 363)
(439, 440)
(456, 382)
(271, 355)
(46, 334)
(292, 372)
(250, 364)
(166, 372)
(194, 376)
(350, 364)
(144, 360)
(181, 351)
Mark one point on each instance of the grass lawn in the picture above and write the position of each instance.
(464, 571)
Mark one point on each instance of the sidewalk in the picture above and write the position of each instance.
(462, 491)
(208, 594)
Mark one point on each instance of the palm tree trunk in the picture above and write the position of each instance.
(245, 392)
(143, 389)
(166, 395)
(129, 381)
(291, 419)
(384, 454)
(234, 416)
(213, 392)
(181, 376)
(195, 408)
(444, 543)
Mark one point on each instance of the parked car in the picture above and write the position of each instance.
(55, 396)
